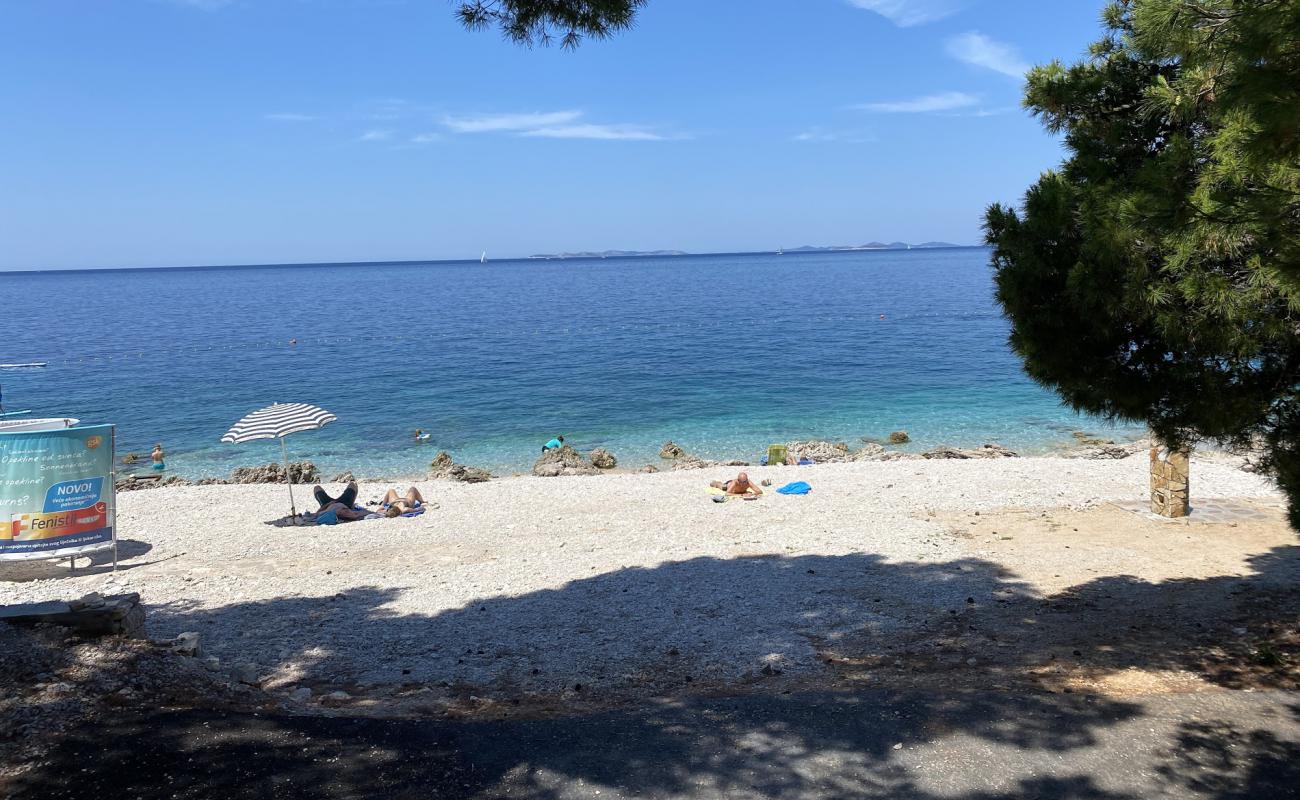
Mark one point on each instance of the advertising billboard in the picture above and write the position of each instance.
(56, 492)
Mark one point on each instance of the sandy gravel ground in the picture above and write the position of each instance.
(635, 584)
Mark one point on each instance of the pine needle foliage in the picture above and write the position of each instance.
(540, 22)
(1155, 276)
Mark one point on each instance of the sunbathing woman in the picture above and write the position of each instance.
(740, 485)
(396, 506)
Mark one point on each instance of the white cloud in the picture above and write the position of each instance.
(978, 49)
(375, 136)
(488, 123)
(592, 131)
(289, 117)
(552, 125)
(425, 138)
(944, 101)
(819, 134)
(906, 13)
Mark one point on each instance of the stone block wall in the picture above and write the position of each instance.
(1170, 486)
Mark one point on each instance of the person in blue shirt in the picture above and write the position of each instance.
(554, 444)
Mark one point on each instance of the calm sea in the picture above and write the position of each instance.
(723, 354)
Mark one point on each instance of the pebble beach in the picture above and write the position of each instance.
(608, 581)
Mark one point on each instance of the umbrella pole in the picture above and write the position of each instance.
(284, 451)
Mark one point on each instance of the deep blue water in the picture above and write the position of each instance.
(722, 354)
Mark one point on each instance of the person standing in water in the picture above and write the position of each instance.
(554, 444)
(157, 455)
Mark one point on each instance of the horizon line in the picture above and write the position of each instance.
(406, 262)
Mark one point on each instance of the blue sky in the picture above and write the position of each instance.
(179, 132)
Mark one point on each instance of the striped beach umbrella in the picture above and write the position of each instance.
(276, 422)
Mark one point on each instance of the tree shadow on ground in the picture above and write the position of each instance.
(657, 675)
(708, 623)
(1222, 760)
(874, 744)
(94, 563)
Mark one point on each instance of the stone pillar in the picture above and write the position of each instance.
(1169, 482)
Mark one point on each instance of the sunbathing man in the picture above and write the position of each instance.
(740, 485)
(347, 499)
(340, 509)
(340, 512)
(396, 506)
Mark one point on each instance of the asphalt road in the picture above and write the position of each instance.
(868, 744)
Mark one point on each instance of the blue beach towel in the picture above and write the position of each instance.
(332, 517)
(798, 487)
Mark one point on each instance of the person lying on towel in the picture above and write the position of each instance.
(396, 506)
(739, 485)
(340, 509)
(347, 499)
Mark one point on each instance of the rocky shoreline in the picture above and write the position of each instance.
(568, 462)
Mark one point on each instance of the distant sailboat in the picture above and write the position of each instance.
(483, 258)
(780, 251)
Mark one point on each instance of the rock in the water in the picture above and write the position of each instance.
(649, 468)
(603, 459)
(985, 451)
(899, 437)
(441, 465)
(464, 474)
(562, 461)
(1083, 438)
(670, 450)
(343, 477)
(299, 472)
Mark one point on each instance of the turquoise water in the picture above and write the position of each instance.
(723, 354)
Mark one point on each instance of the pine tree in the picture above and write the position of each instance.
(530, 22)
(1156, 275)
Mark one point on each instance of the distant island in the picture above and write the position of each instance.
(870, 246)
(804, 249)
(612, 254)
